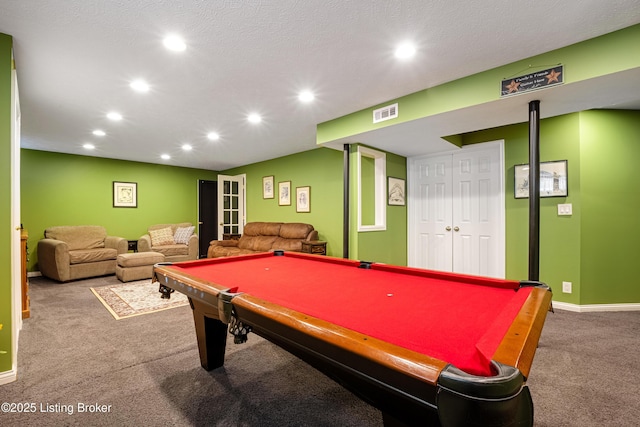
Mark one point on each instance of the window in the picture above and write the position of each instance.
(371, 175)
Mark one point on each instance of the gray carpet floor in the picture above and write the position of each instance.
(145, 370)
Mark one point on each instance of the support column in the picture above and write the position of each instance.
(345, 202)
(534, 190)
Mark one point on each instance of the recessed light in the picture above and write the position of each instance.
(405, 51)
(254, 118)
(165, 157)
(114, 116)
(306, 96)
(139, 86)
(99, 132)
(187, 147)
(213, 136)
(88, 146)
(174, 42)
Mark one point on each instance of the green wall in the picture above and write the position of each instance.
(610, 188)
(559, 235)
(596, 247)
(65, 189)
(321, 169)
(388, 246)
(6, 227)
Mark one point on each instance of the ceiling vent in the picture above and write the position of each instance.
(385, 113)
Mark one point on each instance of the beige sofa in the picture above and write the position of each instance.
(162, 238)
(263, 237)
(78, 251)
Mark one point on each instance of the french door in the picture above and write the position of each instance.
(231, 204)
(456, 211)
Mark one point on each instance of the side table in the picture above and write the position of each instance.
(231, 236)
(132, 245)
(317, 247)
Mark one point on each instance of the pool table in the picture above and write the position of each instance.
(425, 347)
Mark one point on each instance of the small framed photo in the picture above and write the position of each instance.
(553, 180)
(303, 199)
(396, 191)
(284, 193)
(267, 187)
(125, 194)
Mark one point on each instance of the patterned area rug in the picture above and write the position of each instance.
(135, 298)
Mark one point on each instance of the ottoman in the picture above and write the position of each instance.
(137, 265)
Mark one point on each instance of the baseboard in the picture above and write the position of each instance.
(590, 308)
(8, 377)
(34, 274)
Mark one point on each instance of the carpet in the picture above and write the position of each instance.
(130, 299)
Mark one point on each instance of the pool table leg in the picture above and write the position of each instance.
(212, 336)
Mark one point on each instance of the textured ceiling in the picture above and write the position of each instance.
(75, 60)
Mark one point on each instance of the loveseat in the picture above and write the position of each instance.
(73, 252)
(263, 237)
(177, 242)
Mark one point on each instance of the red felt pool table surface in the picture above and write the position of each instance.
(455, 318)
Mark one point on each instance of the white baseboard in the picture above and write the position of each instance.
(34, 274)
(590, 308)
(8, 377)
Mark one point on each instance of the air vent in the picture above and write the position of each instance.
(385, 113)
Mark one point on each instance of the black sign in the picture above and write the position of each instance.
(533, 81)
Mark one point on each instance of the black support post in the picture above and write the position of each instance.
(534, 190)
(345, 203)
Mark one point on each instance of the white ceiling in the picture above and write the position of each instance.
(75, 59)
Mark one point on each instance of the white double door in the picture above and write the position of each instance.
(456, 211)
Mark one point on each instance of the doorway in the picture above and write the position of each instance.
(207, 215)
(456, 211)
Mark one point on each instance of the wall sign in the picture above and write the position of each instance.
(533, 81)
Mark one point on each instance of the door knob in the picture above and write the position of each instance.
(448, 228)
(456, 228)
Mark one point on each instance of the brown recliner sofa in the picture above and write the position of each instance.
(263, 237)
(73, 252)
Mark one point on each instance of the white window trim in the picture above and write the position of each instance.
(380, 172)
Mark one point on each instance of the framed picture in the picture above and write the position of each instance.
(303, 199)
(284, 193)
(125, 194)
(267, 187)
(553, 180)
(396, 193)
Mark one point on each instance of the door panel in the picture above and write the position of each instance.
(207, 214)
(477, 212)
(231, 204)
(434, 184)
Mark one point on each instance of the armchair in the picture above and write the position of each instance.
(77, 252)
(177, 242)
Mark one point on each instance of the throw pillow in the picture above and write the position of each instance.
(161, 237)
(182, 234)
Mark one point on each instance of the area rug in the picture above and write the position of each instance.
(130, 299)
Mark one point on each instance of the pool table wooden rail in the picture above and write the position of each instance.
(519, 344)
